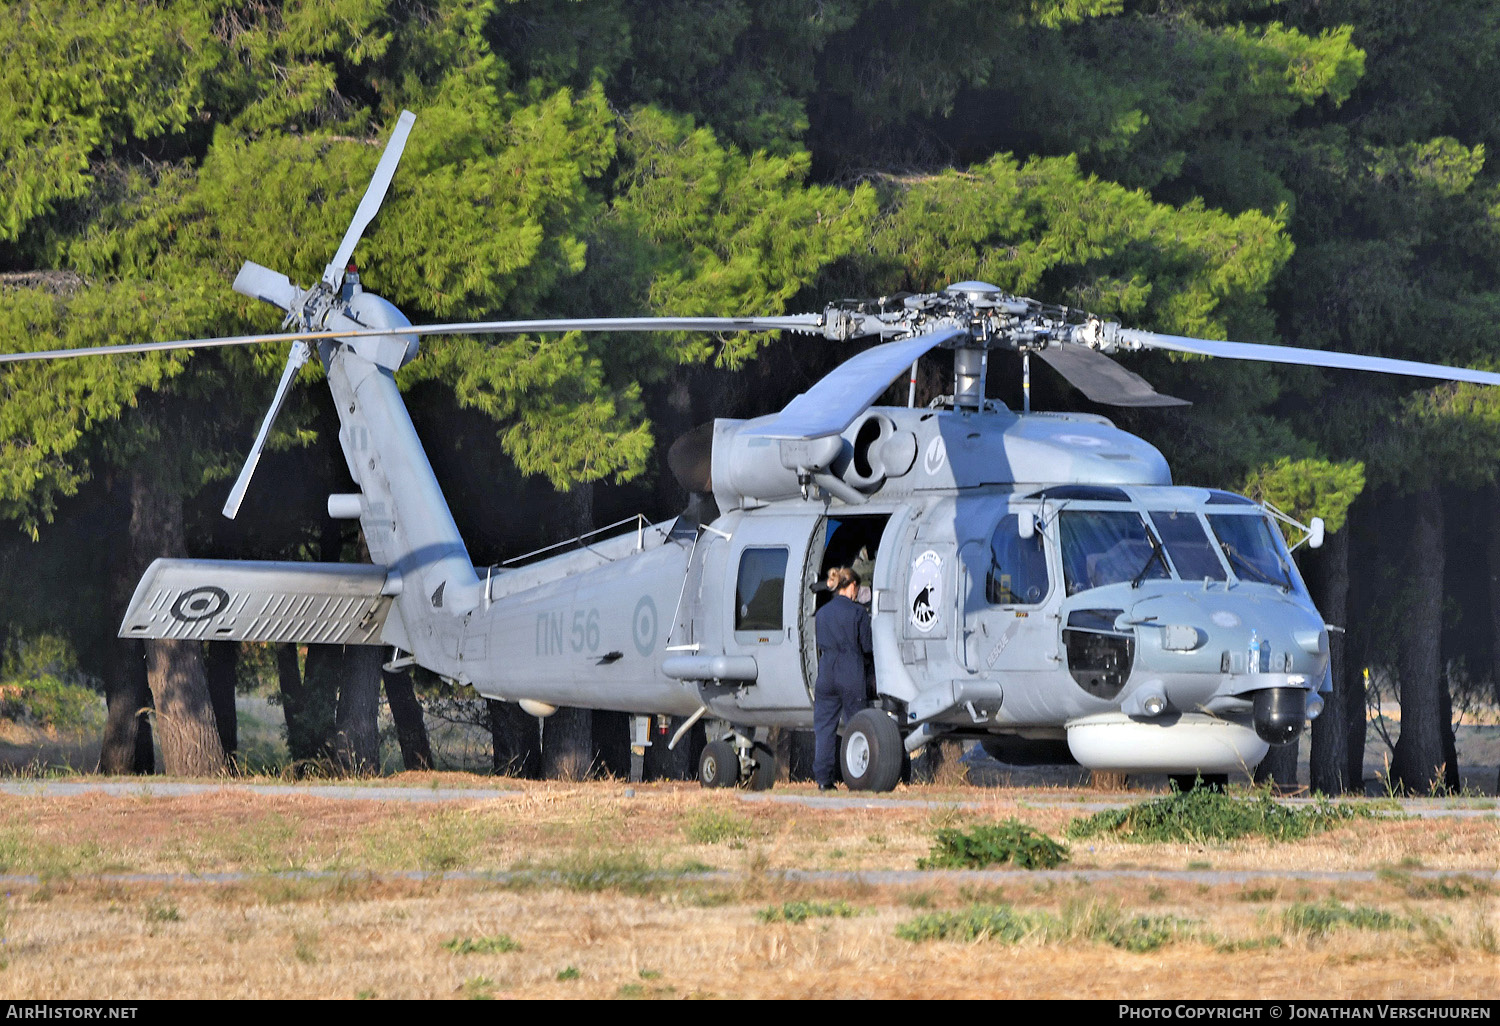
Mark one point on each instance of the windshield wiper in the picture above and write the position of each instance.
(1156, 555)
(1238, 561)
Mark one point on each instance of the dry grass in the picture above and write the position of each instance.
(607, 898)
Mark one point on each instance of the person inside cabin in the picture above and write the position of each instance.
(842, 688)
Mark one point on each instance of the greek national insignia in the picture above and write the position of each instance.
(923, 589)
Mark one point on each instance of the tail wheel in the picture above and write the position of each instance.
(872, 753)
(762, 776)
(719, 766)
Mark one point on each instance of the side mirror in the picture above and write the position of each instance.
(1025, 525)
(1315, 537)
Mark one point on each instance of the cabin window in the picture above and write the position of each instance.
(1252, 548)
(1102, 547)
(1018, 566)
(758, 592)
(1188, 545)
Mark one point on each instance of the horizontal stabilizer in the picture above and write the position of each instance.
(1103, 380)
(240, 600)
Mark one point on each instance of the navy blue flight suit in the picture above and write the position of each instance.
(843, 633)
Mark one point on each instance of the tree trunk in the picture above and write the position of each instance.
(611, 731)
(516, 745)
(680, 763)
(126, 746)
(1418, 764)
(1328, 756)
(568, 745)
(1279, 768)
(174, 669)
(220, 668)
(406, 711)
(299, 740)
(322, 669)
(356, 727)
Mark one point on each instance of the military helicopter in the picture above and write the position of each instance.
(1038, 581)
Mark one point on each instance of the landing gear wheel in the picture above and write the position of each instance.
(762, 776)
(719, 766)
(871, 755)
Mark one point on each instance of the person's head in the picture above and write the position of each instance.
(844, 581)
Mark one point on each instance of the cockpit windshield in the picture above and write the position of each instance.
(1252, 547)
(1102, 547)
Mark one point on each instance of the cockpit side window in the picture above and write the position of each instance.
(1102, 547)
(1018, 566)
(1250, 545)
(1188, 545)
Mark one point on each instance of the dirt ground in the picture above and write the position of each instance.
(604, 890)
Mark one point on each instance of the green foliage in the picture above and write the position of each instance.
(1094, 923)
(500, 944)
(1309, 488)
(801, 911)
(41, 685)
(1044, 227)
(978, 922)
(713, 826)
(1201, 815)
(1319, 920)
(993, 844)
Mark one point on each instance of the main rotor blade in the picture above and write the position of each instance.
(333, 274)
(1304, 357)
(831, 405)
(807, 323)
(294, 361)
(1103, 380)
(264, 284)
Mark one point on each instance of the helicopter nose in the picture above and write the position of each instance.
(1278, 714)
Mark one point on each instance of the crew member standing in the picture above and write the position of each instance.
(843, 632)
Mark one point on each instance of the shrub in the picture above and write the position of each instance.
(994, 844)
(1202, 815)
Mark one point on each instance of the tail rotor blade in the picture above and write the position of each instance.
(333, 274)
(299, 355)
(264, 284)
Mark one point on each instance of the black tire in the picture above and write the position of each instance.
(762, 775)
(872, 752)
(719, 765)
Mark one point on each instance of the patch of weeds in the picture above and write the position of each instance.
(1139, 934)
(569, 973)
(365, 995)
(499, 944)
(1325, 917)
(649, 974)
(977, 922)
(801, 911)
(641, 992)
(1444, 887)
(479, 988)
(1260, 894)
(162, 911)
(920, 899)
(1156, 894)
(716, 826)
(593, 871)
(1200, 864)
(994, 844)
(1201, 815)
(982, 895)
(1248, 944)
(305, 946)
